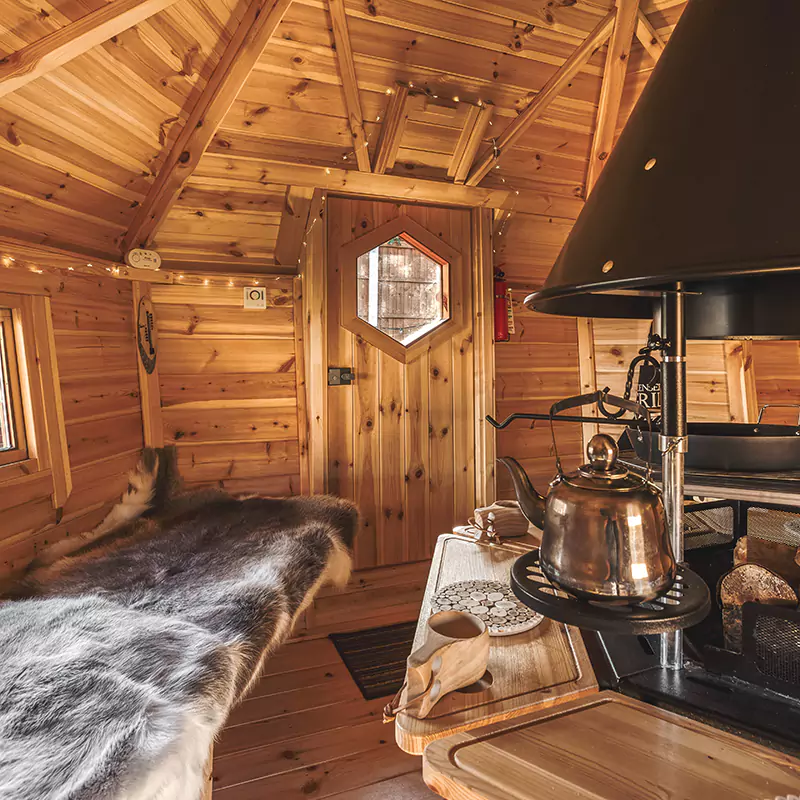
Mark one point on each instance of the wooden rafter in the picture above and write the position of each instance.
(293, 225)
(394, 123)
(537, 106)
(392, 187)
(73, 40)
(475, 127)
(347, 71)
(619, 50)
(232, 173)
(251, 36)
(649, 37)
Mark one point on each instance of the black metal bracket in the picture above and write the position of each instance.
(340, 376)
(636, 424)
(628, 423)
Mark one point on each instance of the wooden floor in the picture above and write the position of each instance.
(306, 732)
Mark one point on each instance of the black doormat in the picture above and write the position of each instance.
(376, 658)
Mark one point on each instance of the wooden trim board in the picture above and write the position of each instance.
(149, 384)
(301, 379)
(52, 403)
(394, 123)
(314, 271)
(483, 337)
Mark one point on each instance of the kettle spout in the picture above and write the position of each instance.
(530, 501)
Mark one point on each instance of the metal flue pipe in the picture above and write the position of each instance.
(673, 441)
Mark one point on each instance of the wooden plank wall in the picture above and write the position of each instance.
(777, 370)
(616, 342)
(540, 363)
(229, 383)
(96, 354)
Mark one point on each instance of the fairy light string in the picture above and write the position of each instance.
(350, 156)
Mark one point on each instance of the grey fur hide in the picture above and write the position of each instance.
(124, 661)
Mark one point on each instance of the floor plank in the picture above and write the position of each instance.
(305, 731)
(406, 787)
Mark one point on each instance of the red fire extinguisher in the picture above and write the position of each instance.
(500, 307)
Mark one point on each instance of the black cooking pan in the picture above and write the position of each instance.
(732, 446)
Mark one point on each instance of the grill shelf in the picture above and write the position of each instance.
(686, 603)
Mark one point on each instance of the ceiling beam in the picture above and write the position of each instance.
(249, 39)
(544, 97)
(347, 72)
(250, 173)
(394, 123)
(294, 221)
(73, 40)
(649, 37)
(475, 127)
(619, 50)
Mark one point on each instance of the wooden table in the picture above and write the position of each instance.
(606, 747)
(547, 665)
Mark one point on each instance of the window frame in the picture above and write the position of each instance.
(444, 290)
(453, 287)
(43, 469)
(9, 369)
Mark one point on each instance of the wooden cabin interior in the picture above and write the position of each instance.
(269, 151)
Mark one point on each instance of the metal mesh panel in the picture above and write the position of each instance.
(775, 526)
(777, 647)
(707, 527)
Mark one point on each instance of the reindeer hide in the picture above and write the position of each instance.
(124, 661)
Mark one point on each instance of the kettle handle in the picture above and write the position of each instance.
(601, 395)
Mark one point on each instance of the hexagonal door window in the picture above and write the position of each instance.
(403, 289)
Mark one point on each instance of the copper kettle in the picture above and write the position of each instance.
(604, 532)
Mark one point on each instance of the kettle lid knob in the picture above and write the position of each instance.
(602, 451)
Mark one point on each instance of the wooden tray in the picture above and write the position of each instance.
(606, 747)
(546, 665)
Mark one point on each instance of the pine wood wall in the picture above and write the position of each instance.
(616, 342)
(96, 355)
(540, 363)
(777, 378)
(228, 383)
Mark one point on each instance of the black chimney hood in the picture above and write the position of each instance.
(703, 186)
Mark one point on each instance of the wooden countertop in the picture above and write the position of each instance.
(606, 747)
(537, 669)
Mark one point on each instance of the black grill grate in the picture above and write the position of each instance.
(774, 525)
(708, 526)
(771, 643)
(777, 648)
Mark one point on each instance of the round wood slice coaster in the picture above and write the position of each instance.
(491, 601)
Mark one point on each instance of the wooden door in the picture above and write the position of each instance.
(401, 437)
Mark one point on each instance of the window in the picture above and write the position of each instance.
(13, 445)
(34, 462)
(402, 289)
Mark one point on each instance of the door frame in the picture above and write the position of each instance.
(313, 307)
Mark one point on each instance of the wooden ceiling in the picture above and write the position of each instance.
(203, 126)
